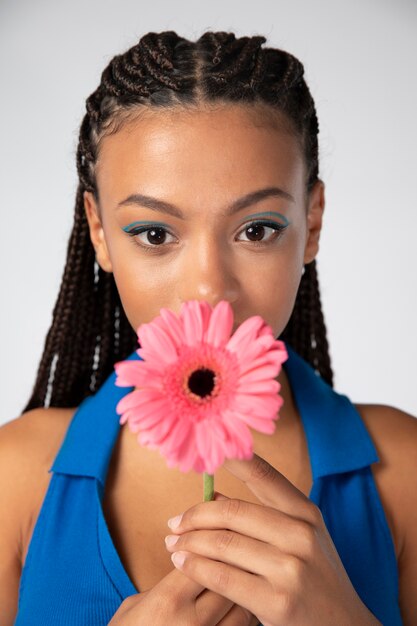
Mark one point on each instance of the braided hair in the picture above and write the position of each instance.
(89, 330)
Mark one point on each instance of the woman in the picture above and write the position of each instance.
(199, 179)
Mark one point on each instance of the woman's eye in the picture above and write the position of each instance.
(154, 236)
(255, 231)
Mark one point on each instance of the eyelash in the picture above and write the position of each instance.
(152, 248)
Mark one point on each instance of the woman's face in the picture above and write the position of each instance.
(190, 176)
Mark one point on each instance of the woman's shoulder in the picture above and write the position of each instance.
(28, 446)
(394, 434)
(31, 440)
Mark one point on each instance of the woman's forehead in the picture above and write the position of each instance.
(199, 145)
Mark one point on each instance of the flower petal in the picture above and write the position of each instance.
(258, 375)
(186, 456)
(137, 421)
(157, 342)
(181, 432)
(261, 367)
(208, 445)
(127, 373)
(221, 324)
(201, 440)
(259, 386)
(262, 425)
(278, 353)
(260, 405)
(240, 434)
(139, 412)
(146, 375)
(141, 396)
(192, 322)
(245, 334)
(206, 311)
(158, 433)
(174, 325)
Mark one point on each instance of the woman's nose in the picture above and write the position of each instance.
(208, 274)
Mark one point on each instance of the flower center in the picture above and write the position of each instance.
(201, 382)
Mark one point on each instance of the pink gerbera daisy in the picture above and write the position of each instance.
(199, 390)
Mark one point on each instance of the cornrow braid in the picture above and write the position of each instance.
(89, 330)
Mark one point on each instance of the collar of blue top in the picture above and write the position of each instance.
(337, 438)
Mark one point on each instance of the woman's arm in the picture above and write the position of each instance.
(10, 518)
(28, 445)
(394, 433)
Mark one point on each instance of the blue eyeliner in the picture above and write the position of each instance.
(266, 213)
(129, 226)
(286, 222)
(138, 227)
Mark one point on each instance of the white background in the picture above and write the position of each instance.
(360, 64)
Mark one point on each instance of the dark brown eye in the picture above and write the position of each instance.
(255, 233)
(156, 235)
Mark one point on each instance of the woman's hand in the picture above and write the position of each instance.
(276, 559)
(178, 600)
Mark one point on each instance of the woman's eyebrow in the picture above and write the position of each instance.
(239, 204)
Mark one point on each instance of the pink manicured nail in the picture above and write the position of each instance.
(174, 522)
(178, 558)
(171, 540)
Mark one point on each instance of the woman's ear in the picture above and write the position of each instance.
(316, 204)
(96, 232)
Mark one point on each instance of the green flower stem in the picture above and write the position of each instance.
(208, 487)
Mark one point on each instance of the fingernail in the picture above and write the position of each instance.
(174, 522)
(171, 540)
(178, 558)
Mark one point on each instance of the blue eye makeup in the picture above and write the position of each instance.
(272, 213)
(155, 229)
(159, 230)
(129, 226)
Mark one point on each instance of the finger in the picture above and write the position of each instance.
(211, 607)
(246, 553)
(177, 584)
(270, 486)
(239, 616)
(247, 590)
(289, 534)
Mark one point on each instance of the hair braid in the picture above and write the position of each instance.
(306, 330)
(90, 330)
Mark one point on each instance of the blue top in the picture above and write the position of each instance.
(73, 575)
